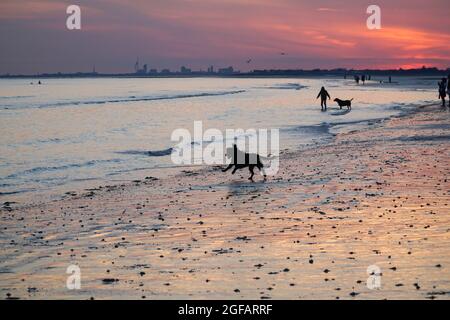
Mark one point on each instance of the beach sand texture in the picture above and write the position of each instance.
(376, 197)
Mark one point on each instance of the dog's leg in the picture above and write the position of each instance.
(251, 170)
(264, 174)
(227, 168)
(261, 168)
(234, 170)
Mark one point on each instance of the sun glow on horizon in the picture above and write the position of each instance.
(200, 33)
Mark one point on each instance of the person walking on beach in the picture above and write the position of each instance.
(323, 94)
(448, 89)
(442, 90)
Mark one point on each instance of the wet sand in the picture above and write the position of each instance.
(378, 197)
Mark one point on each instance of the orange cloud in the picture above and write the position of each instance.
(200, 32)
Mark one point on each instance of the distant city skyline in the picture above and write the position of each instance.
(197, 34)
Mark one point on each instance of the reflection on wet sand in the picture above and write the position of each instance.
(375, 198)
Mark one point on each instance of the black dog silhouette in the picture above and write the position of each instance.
(344, 103)
(240, 160)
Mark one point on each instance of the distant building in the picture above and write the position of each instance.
(228, 70)
(137, 70)
(165, 71)
(185, 70)
(143, 70)
(136, 65)
(211, 69)
(153, 71)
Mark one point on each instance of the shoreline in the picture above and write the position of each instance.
(372, 197)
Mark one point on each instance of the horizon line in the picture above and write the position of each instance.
(167, 71)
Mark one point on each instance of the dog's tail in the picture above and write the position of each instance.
(351, 99)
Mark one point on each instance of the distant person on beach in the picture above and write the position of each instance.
(442, 90)
(448, 89)
(390, 79)
(357, 79)
(323, 94)
(363, 79)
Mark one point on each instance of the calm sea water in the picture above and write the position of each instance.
(68, 134)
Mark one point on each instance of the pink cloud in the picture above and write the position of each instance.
(200, 32)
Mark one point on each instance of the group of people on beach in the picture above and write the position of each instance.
(363, 78)
(444, 89)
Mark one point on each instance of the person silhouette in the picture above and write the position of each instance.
(363, 79)
(323, 94)
(357, 79)
(448, 89)
(442, 90)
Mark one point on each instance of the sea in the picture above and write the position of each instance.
(69, 134)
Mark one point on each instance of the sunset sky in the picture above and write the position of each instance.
(199, 33)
